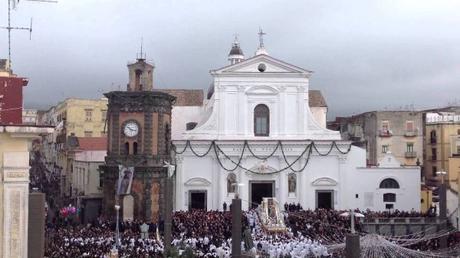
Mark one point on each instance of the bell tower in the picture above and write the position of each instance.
(140, 73)
(138, 144)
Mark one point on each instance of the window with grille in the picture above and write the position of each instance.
(88, 114)
(104, 115)
(389, 197)
(410, 147)
(385, 148)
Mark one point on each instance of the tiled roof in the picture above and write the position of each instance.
(316, 99)
(92, 143)
(186, 97)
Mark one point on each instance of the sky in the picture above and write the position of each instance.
(366, 55)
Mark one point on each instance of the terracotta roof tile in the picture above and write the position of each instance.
(186, 97)
(92, 143)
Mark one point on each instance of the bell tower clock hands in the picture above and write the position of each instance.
(131, 129)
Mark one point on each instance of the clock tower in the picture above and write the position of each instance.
(139, 136)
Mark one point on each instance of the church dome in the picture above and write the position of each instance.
(236, 54)
(236, 50)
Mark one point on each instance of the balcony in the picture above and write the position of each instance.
(410, 154)
(411, 133)
(385, 133)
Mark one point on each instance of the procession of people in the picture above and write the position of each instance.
(206, 234)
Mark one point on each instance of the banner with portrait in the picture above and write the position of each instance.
(125, 179)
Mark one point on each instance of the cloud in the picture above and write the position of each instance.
(366, 55)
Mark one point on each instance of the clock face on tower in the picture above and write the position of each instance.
(131, 129)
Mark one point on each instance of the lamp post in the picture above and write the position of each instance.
(352, 246)
(236, 223)
(168, 207)
(117, 241)
(442, 196)
(443, 206)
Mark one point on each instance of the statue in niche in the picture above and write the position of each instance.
(292, 182)
(231, 183)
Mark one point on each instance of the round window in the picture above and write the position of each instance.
(262, 68)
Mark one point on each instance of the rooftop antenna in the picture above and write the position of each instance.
(12, 4)
(142, 55)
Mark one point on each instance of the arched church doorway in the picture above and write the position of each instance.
(197, 200)
(259, 190)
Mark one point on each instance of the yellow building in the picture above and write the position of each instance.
(15, 144)
(442, 141)
(73, 118)
(426, 199)
(82, 117)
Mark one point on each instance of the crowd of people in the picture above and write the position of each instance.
(208, 234)
(321, 224)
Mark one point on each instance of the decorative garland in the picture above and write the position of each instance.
(217, 150)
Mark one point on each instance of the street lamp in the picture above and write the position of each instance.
(168, 207)
(442, 173)
(352, 214)
(117, 241)
(442, 195)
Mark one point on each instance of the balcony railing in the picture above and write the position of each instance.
(411, 133)
(385, 133)
(410, 154)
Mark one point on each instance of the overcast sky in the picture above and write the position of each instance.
(366, 55)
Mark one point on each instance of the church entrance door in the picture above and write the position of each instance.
(259, 190)
(197, 200)
(324, 199)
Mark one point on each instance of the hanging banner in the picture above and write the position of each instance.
(125, 179)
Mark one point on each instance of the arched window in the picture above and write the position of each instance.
(231, 183)
(127, 148)
(389, 183)
(261, 120)
(135, 148)
(389, 197)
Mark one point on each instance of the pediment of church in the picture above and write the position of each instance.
(261, 64)
(324, 181)
(197, 181)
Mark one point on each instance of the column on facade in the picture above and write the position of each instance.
(282, 179)
(216, 201)
(302, 184)
(342, 202)
(282, 115)
(179, 189)
(300, 111)
(241, 117)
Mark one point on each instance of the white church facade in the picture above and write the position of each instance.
(257, 135)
